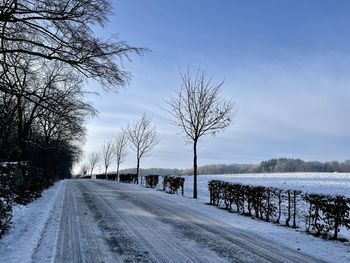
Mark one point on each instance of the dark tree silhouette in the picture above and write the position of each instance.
(62, 30)
(42, 120)
(45, 95)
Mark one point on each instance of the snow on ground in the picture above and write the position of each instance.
(44, 214)
(326, 183)
(323, 183)
(29, 222)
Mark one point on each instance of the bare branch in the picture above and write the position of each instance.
(94, 158)
(62, 31)
(107, 154)
(197, 109)
(143, 137)
(120, 147)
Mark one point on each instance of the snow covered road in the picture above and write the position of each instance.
(104, 221)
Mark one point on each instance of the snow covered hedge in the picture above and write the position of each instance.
(172, 184)
(7, 195)
(151, 180)
(19, 184)
(128, 178)
(321, 214)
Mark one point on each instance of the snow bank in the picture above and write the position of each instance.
(29, 222)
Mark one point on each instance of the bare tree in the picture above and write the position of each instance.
(107, 155)
(45, 95)
(83, 170)
(63, 31)
(143, 137)
(198, 110)
(121, 144)
(94, 158)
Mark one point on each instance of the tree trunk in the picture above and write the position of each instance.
(117, 179)
(336, 227)
(294, 209)
(267, 216)
(248, 206)
(106, 173)
(195, 169)
(20, 140)
(279, 206)
(289, 209)
(137, 170)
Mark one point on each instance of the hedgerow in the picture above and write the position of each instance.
(19, 184)
(7, 195)
(151, 180)
(172, 184)
(323, 215)
(128, 178)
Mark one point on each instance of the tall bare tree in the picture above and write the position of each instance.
(94, 158)
(42, 118)
(143, 137)
(121, 151)
(45, 95)
(199, 110)
(62, 30)
(83, 170)
(107, 155)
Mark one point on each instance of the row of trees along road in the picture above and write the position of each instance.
(47, 49)
(141, 135)
(60, 31)
(197, 109)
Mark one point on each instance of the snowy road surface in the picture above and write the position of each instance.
(106, 222)
(99, 221)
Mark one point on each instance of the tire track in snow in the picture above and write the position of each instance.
(78, 240)
(161, 246)
(243, 247)
(232, 243)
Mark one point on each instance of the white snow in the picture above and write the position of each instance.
(43, 215)
(323, 183)
(29, 222)
(326, 183)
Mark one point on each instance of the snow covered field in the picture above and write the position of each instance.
(323, 183)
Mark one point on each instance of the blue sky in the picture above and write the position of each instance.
(286, 65)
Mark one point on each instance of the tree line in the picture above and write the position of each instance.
(276, 165)
(47, 50)
(197, 110)
(140, 135)
(297, 165)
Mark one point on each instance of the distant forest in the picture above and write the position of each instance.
(280, 165)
